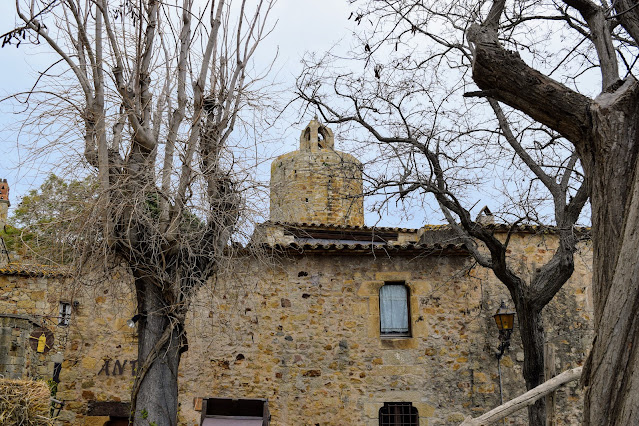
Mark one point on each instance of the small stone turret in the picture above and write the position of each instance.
(317, 184)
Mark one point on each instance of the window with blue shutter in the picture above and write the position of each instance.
(393, 310)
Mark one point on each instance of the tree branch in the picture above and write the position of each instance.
(601, 37)
(628, 15)
(511, 81)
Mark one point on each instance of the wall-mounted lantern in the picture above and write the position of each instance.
(505, 320)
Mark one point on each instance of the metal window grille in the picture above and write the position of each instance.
(65, 313)
(398, 414)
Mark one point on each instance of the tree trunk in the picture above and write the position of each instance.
(532, 333)
(612, 372)
(158, 391)
(605, 133)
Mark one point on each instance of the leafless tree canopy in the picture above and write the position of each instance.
(547, 60)
(159, 90)
(409, 85)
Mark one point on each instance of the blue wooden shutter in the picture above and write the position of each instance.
(393, 309)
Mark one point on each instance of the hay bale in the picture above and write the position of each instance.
(24, 402)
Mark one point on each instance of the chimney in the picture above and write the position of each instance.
(4, 202)
(485, 217)
(4, 212)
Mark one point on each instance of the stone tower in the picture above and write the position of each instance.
(317, 184)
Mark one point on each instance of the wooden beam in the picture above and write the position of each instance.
(524, 400)
(549, 373)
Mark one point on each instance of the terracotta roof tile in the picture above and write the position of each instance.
(498, 227)
(371, 248)
(32, 270)
(341, 227)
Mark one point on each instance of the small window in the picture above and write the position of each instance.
(393, 310)
(398, 414)
(65, 314)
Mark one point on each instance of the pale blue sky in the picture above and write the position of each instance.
(303, 25)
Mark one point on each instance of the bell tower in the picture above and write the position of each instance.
(317, 184)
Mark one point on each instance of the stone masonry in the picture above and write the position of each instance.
(305, 334)
(317, 184)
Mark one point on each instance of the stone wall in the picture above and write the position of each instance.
(303, 332)
(16, 360)
(317, 184)
(317, 187)
(305, 335)
(27, 303)
(101, 353)
(96, 337)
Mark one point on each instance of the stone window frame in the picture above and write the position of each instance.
(405, 414)
(368, 291)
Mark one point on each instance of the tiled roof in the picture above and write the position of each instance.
(504, 227)
(497, 227)
(32, 270)
(371, 248)
(343, 227)
(532, 229)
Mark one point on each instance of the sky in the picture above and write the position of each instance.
(302, 26)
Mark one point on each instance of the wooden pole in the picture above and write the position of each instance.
(524, 400)
(549, 373)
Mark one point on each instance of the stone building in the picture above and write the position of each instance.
(344, 325)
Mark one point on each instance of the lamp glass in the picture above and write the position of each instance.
(504, 318)
(498, 321)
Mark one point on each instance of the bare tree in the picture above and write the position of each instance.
(433, 141)
(603, 131)
(541, 58)
(159, 88)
